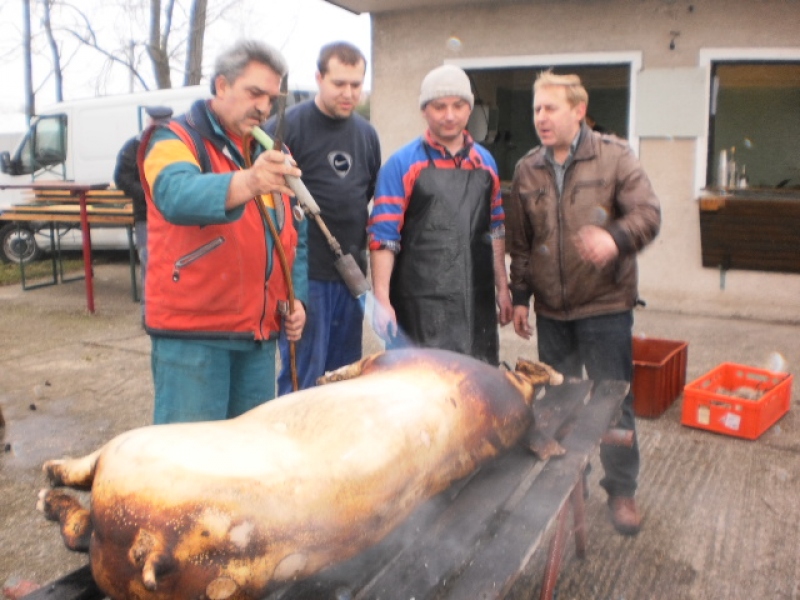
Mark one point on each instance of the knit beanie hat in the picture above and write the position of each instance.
(158, 113)
(447, 80)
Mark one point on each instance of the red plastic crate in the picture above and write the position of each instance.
(714, 401)
(659, 374)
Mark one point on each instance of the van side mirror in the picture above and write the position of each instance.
(5, 163)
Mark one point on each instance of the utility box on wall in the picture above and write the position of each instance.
(670, 103)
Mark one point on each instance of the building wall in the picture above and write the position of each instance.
(407, 44)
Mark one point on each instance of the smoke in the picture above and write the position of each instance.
(383, 324)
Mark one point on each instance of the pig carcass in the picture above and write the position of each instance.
(233, 509)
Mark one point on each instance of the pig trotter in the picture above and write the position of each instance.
(53, 470)
(72, 472)
(350, 371)
(542, 445)
(75, 521)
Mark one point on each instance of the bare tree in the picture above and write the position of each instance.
(194, 51)
(30, 99)
(54, 51)
(157, 46)
(172, 45)
(73, 23)
(161, 41)
(175, 38)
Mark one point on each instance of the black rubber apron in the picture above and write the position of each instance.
(442, 286)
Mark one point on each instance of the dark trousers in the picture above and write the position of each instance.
(602, 346)
(331, 337)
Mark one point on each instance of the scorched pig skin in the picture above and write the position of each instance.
(233, 509)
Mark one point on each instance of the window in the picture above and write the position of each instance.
(754, 118)
(503, 116)
(44, 146)
(50, 141)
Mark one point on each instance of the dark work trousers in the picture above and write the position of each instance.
(602, 345)
(331, 336)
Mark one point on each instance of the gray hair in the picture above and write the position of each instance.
(233, 61)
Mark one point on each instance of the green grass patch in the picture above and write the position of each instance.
(43, 269)
(10, 272)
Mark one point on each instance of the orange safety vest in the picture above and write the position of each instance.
(214, 281)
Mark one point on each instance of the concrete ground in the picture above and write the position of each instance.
(722, 517)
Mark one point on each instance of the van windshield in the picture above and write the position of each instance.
(43, 146)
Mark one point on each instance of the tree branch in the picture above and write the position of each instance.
(54, 51)
(92, 44)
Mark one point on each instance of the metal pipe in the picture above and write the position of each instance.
(345, 264)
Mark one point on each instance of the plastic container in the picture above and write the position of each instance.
(737, 400)
(659, 374)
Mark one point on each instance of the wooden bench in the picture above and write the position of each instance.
(75, 205)
(477, 538)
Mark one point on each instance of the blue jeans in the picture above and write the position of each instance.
(210, 381)
(331, 336)
(602, 345)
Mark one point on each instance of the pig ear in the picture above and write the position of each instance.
(538, 373)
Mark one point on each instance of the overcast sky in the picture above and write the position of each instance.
(297, 27)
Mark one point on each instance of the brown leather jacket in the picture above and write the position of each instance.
(604, 185)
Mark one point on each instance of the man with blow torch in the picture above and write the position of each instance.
(228, 264)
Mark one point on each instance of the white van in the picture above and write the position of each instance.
(77, 140)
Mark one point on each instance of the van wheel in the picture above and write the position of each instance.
(18, 244)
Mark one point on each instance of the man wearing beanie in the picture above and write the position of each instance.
(436, 232)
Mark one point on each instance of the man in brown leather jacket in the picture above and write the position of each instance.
(581, 208)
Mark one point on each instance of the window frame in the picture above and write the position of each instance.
(633, 59)
(707, 58)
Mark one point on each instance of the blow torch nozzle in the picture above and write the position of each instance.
(351, 275)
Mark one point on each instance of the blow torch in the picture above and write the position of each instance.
(345, 263)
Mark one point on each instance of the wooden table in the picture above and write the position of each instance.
(474, 540)
(81, 204)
